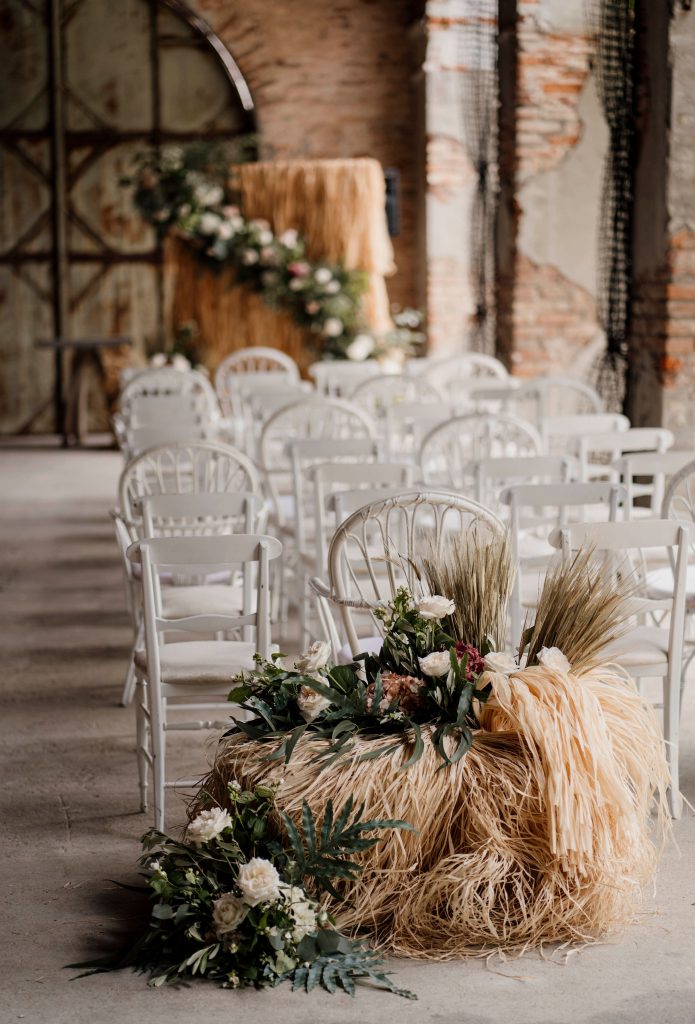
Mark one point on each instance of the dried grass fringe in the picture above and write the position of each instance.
(541, 833)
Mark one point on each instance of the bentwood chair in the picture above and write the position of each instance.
(450, 451)
(194, 676)
(375, 551)
(645, 651)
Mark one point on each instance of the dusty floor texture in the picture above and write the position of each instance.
(70, 820)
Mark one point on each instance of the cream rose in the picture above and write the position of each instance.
(315, 658)
(311, 704)
(435, 607)
(333, 327)
(259, 882)
(360, 348)
(554, 659)
(436, 664)
(208, 825)
(228, 912)
(302, 911)
(500, 661)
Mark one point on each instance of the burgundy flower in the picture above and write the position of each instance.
(405, 688)
(476, 662)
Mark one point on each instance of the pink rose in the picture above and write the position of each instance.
(299, 268)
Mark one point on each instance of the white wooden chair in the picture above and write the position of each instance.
(449, 453)
(535, 510)
(455, 374)
(493, 475)
(338, 378)
(249, 365)
(166, 383)
(183, 515)
(647, 474)
(375, 550)
(646, 651)
(193, 676)
(378, 393)
(557, 396)
(183, 468)
(597, 452)
(561, 433)
(678, 504)
(315, 417)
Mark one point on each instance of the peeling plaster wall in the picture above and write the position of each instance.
(547, 297)
(450, 182)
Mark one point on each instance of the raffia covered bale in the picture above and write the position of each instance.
(339, 208)
(542, 833)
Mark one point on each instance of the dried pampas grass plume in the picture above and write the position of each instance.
(582, 608)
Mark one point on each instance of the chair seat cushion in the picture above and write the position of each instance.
(660, 584)
(646, 648)
(201, 661)
(178, 602)
(368, 645)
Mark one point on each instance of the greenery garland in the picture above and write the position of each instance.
(187, 190)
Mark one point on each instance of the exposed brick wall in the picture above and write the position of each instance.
(333, 80)
(550, 317)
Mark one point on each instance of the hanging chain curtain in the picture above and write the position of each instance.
(612, 24)
(477, 61)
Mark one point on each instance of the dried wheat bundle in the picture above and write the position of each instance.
(541, 833)
(582, 608)
(478, 576)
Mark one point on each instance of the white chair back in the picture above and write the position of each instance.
(315, 418)
(455, 374)
(184, 468)
(659, 468)
(596, 451)
(450, 452)
(249, 368)
(561, 433)
(375, 550)
(338, 378)
(167, 383)
(536, 509)
(494, 474)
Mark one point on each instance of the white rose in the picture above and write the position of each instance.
(554, 659)
(333, 327)
(209, 195)
(314, 658)
(436, 664)
(228, 913)
(259, 224)
(302, 911)
(296, 284)
(323, 275)
(289, 238)
(209, 223)
(435, 607)
(208, 825)
(158, 360)
(499, 661)
(311, 704)
(265, 237)
(226, 230)
(360, 348)
(180, 362)
(249, 257)
(332, 288)
(259, 882)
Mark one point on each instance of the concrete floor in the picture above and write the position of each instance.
(70, 821)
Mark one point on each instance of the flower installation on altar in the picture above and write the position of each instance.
(186, 190)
